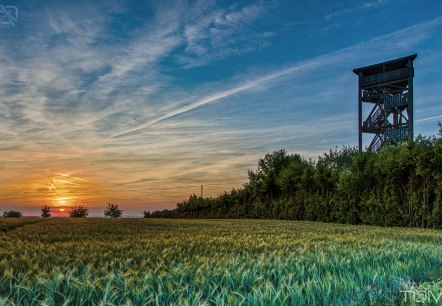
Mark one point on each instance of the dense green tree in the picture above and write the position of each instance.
(401, 185)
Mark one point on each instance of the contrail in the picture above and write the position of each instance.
(319, 60)
(220, 95)
(429, 118)
(72, 177)
(66, 182)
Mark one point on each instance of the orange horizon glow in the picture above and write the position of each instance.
(29, 190)
(59, 211)
(137, 180)
(59, 191)
(144, 115)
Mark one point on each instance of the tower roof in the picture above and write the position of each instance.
(385, 66)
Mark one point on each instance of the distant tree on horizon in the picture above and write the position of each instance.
(46, 211)
(146, 214)
(12, 214)
(113, 211)
(79, 211)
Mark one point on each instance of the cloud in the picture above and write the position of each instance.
(374, 4)
(400, 39)
(109, 110)
(356, 8)
(222, 33)
(220, 95)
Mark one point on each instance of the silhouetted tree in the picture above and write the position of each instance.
(165, 213)
(79, 211)
(146, 214)
(12, 214)
(113, 211)
(46, 211)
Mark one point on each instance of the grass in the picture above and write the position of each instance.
(213, 262)
(9, 224)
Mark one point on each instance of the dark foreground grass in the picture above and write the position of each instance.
(216, 262)
(9, 224)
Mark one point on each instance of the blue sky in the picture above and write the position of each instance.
(141, 102)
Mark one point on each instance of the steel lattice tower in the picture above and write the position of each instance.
(388, 89)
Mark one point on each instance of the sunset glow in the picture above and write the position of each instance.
(141, 104)
(63, 201)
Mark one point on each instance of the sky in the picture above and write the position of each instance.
(139, 103)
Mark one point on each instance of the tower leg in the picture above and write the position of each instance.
(360, 113)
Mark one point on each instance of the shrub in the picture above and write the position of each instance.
(46, 211)
(12, 214)
(79, 211)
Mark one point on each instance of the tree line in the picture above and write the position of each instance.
(401, 185)
(78, 211)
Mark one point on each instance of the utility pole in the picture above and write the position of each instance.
(201, 191)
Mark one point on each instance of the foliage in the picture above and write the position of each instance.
(213, 262)
(46, 211)
(12, 214)
(113, 211)
(146, 214)
(398, 186)
(79, 211)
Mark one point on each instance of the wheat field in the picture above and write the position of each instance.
(212, 262)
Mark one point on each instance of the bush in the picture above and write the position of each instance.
(79, 211)
(146, 214)
(12, 214)
(113, 211)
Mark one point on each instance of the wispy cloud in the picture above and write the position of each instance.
(353, 8)
(400, 38)
(103, 117)
(220, 95)
(222, 33)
